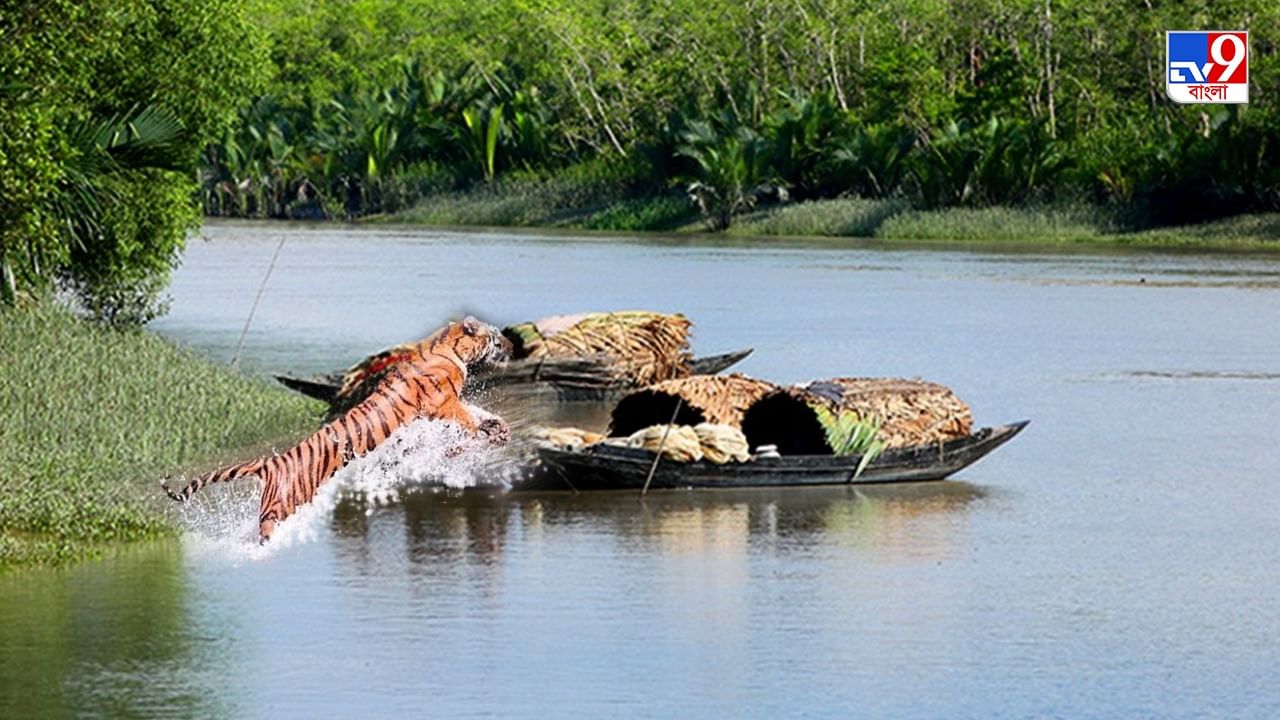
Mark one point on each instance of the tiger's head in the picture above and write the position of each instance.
(477, 344)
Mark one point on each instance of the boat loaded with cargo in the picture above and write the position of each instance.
(673, 422)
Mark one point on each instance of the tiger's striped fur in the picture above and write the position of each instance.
(427, 383)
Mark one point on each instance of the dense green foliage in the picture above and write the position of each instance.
(105, 108)
(733, 104)
(93, 416)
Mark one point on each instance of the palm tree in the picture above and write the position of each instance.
(729, 167)
(114, 280)
(138, 139)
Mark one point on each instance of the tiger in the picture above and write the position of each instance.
(426, 383)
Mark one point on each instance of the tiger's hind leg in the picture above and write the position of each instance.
(272, 507)
(293, 479)
(266, 526)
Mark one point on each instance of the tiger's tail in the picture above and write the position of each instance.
(235, 472)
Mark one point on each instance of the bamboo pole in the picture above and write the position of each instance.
(235, 359)
(661, 444)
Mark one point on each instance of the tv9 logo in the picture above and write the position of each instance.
(1207, 67)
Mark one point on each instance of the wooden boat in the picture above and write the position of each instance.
(581, 380)
(610, 467)
(554, 379)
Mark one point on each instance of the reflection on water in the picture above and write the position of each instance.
(445, 528)
(108, 637)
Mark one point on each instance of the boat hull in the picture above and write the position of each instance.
(608, 467)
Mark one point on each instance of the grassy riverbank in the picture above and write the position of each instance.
(93, 417)
(548, 205)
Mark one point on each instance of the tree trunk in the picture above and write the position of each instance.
(8, 285)
(1050, 75)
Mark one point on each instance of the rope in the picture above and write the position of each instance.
(235, 359)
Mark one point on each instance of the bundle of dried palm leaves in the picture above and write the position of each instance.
(719, 399)
(908, 412)
(564, 438)
(646, 347)
(717, 444)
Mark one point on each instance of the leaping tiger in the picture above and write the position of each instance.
(426, 383)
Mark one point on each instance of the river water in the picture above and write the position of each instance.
(1118, 559)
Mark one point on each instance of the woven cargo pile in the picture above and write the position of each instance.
(909, 412)
(645, 346)
(714, 443)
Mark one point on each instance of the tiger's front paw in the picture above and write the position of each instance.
(495, 430)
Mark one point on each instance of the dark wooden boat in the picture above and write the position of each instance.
(580, 380)
(608, 467)
(554, 379)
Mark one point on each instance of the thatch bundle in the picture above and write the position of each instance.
(565, 438)
(722, 443)
(714, 443)
(909, 412)
(719, 399)
(647, 347)
(718, 444)
(677, 442)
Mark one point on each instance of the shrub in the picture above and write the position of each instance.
(102, 90)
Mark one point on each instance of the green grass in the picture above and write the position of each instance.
(1259, 231)
(843, 217)
(479, 208)
(590, 200)
(1078, 224)
(549, 203)
(570, 197)
(655, 214)
(998, 224)
(92, 418)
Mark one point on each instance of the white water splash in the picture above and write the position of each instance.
(222, 520)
